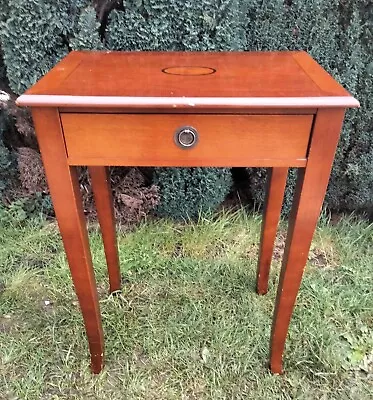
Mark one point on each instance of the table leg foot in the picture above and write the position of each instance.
(276, 367)
(97, 363)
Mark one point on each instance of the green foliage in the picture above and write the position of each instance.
(87, 36)
(20, 210)
(5, 164)
(128, 31)
(340, 37)
(186, 192)
(4, 10)
(2, 67)
(38, 31)
(35, 34)
(355, 183)
(7, 161)
(176, 25)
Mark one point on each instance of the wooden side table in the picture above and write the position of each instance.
(272, 109)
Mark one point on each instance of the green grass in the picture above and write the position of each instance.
(188, 324)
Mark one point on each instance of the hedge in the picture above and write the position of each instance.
(337, 33)
(7, 159)
(188, 192)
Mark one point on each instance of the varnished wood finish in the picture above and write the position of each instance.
(309, 195)
(136, 79)
(324, 81)
(155, 110)
(272, 109)
(224, 140)
(104, 204)
(276, 182)
(64, 189)
(187, 103)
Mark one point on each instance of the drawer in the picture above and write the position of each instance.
(221, 140)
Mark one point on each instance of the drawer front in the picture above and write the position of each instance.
(222, 140)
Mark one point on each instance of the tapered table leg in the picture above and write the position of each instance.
(64, 189)
(105, 213)
(275, 188)
(310, 191)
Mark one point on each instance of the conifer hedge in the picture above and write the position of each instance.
(7, 159)
(338, 33)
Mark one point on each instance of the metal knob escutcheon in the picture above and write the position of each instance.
(186, 137)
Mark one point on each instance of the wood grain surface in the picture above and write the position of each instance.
(241, 79)
(100, 181)
(224, 140)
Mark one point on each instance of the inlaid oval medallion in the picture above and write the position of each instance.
(189, 70)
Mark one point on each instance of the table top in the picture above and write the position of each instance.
(188, 80)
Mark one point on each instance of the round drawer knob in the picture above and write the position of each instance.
(186, 137)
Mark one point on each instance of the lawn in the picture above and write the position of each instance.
(188, 323)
